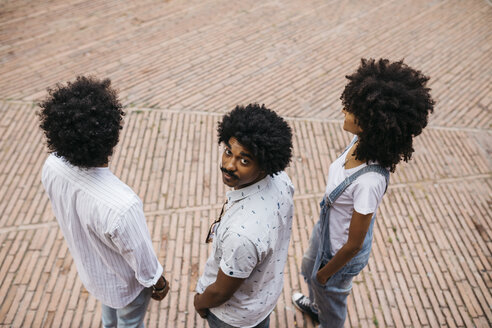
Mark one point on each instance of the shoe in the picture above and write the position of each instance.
(304, 304)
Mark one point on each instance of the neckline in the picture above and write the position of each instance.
(235, 195)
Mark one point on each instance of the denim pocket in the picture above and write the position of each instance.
(339, 283)
(352, 269)
(344, 283)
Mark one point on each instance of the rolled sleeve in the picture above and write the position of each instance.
(239, 256)
(369, 193)
(132, 238)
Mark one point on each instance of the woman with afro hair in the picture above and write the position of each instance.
(385, 104)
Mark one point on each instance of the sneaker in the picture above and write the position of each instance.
(304, 304)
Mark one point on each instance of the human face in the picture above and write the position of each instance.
(239, 167)
(350, 124)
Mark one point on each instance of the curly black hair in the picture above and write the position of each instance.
(264, 133)
(82, 121)
(391, 104)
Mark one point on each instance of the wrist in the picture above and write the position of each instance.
(322, 277)
(197, 301)
(160, 285)
(326, 278)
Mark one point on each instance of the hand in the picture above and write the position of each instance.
(320, 278)
(159, 295)
(201, 312)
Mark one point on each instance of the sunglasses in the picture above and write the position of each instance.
(214, 226)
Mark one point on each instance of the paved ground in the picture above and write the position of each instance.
(179, 66)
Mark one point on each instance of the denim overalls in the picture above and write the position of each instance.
(331, 298)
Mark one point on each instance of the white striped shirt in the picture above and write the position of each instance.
(104, 226)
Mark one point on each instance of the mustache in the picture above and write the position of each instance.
(229, 173)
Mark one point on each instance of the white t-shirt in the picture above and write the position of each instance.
(251, 242)
(363, 195)
(104, 226)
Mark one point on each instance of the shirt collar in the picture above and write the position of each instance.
(235, 195)
(74, 167)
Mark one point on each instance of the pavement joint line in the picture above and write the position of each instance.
(441, 181)
(304, 196)
(288, 118)
(29, 227)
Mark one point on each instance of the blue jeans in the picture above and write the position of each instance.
(214, 322)
(131, 316)
(330, 299)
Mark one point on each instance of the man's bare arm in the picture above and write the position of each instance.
(217, 293)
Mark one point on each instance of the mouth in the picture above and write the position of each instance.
(228, 176)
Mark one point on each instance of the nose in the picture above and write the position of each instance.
(230, 165)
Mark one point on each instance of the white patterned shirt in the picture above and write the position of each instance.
(251, 242)
(104, 226)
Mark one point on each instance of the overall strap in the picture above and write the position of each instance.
(332, 197)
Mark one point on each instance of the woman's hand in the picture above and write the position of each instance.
(321, 278)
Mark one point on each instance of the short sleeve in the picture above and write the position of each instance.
(132, 238)
(239, 255)
(368, 192)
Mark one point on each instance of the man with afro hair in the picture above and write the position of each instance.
(243, 277)
(385, 105)
(101, 218)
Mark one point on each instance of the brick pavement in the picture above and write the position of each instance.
(180, 65)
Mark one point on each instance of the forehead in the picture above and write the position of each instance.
(236, 147)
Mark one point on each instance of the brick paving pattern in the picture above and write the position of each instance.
(179, 65)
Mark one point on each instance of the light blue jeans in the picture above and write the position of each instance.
(214, 322)
(131, 316)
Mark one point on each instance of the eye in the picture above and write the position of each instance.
(228, 152)
(244, 161)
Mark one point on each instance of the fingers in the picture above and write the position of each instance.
(202, 313)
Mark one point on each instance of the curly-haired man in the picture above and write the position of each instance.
(243, 277)
(386, 104)
(101, 218)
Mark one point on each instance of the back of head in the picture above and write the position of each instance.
(261, 131)
(391, 104)
(82, 121)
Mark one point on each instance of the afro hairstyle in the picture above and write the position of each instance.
(260, 130)
(391, 104)
(82, 121)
